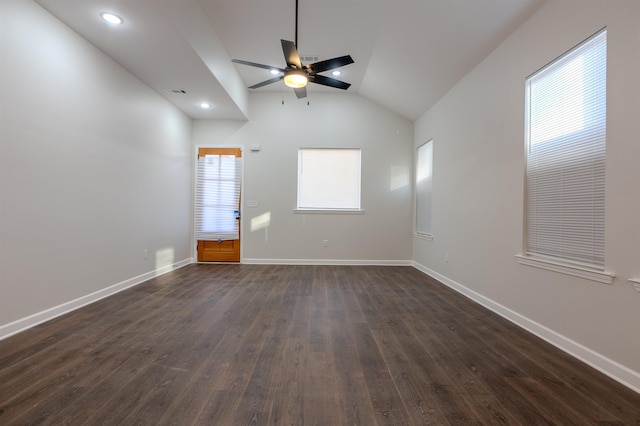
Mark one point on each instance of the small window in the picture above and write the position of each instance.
(328, 179)
(565, 153)
(424, 173)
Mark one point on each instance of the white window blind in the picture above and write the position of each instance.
(424, 173)
(329, 179)
(217, 201)
(566, 140)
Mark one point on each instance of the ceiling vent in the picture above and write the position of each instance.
(175, 91)
(309, 59)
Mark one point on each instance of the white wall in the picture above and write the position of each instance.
(478, 132)
(95, 168)
(382, 234)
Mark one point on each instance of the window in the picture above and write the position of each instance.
(424, 172)
(565, 153)
(328, 179)
(218, 182)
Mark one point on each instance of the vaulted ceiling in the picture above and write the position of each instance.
(408, 53)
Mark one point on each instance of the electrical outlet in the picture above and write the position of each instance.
(325, 243)
(446, 257)
(146, 254)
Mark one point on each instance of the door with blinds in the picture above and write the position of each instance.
(217, 204)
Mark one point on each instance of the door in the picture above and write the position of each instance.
(217, 211)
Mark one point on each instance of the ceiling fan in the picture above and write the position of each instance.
(295, 74)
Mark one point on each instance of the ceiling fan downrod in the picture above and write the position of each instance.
(296, 35)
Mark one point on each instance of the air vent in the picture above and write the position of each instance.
(309, 59)
(175, 91)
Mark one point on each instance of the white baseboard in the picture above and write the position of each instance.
(353, 262)
(51, 313)
(616, 371)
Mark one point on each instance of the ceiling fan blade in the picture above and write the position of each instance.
(264, 83)
(301, 92)
(253, 64)
(328, 81)
(291, 54)
(330, 64)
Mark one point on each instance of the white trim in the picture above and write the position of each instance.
(328, 211)
(636, 283)
(354, 262)
(567, 269)
(427, 237)
(64, 308)
(616, 371)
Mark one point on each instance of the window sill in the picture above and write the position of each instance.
(567, 269)
(427, 237)
(328, 211)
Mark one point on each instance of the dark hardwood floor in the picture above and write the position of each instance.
(296, 345)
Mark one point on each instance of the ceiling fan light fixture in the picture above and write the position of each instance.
(296, 78)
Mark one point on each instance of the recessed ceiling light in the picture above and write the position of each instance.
(274, 71)
(336, 73)
(111, 18)
(205, 105)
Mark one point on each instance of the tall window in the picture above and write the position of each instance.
(329, 179)
(424, 172)
(566, 135)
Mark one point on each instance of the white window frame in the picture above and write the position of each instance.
(565, 144)
(327, 180)
(424, 191)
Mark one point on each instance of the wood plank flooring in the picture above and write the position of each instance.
(296, 345)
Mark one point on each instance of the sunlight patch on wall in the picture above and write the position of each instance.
(399, 177)
(261, 222)
(164, 257)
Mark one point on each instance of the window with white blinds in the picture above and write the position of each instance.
(218, 182)
(424, 173)
(566, 140)
(328, 179)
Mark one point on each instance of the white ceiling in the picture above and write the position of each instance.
(408, 53)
